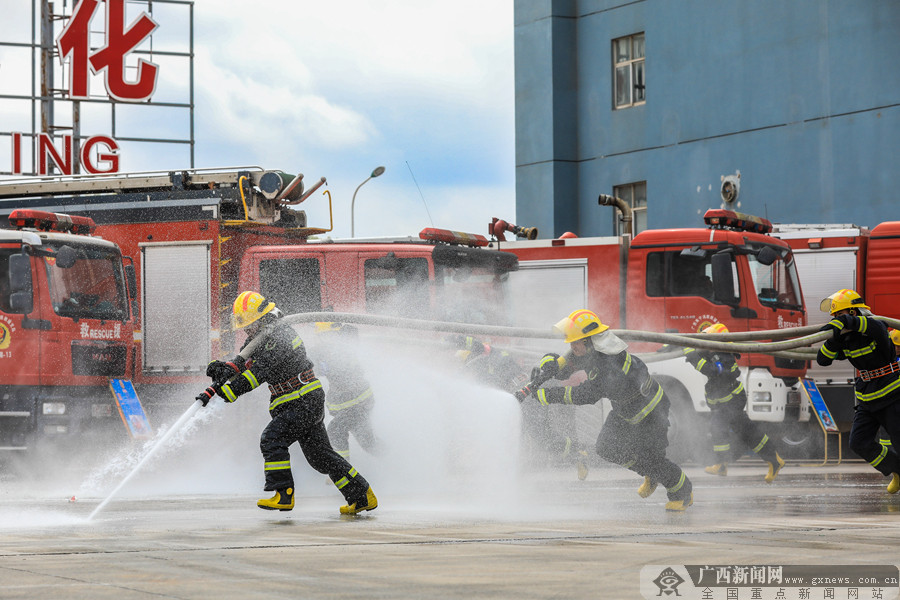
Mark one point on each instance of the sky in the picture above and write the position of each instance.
(331, 89)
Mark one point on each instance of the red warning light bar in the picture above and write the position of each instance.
(453, 237)
(48, 221)
(720, 219)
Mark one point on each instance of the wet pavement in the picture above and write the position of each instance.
(553, 536)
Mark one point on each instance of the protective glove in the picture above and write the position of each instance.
(523, 393)
(549, 366)
(206, 395)
(836, 324)
(221, 371)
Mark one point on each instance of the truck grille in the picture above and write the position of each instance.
(103, 359)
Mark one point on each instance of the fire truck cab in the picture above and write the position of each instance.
(65, 326)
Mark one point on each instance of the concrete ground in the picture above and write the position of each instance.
(563, 538)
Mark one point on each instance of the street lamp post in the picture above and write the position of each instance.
(378, 171)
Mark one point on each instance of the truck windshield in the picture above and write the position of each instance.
(468, 294)
(776, 284)
(92, 288)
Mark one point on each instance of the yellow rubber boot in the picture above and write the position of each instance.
(582, 465)
(370, 503)
(680, 505)
(717, 469)
(774, 468)
(282, 500)
(647, 488)
(894, 486)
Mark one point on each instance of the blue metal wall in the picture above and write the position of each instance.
(801, 96)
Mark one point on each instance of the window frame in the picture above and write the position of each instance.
(636, 70)
(626, 192)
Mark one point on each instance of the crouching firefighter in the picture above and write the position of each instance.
(635, 432)
(297, 405)
(726, 398)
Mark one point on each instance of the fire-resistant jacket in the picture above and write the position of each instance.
(868, 347)
(348, 386)
(622, 378)
(722, 374)
(279, 360)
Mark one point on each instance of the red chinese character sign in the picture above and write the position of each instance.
(74, 43)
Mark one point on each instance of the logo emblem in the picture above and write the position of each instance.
(668, 581)
(5, 336)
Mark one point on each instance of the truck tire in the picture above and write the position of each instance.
(689, 440)
(799, 440)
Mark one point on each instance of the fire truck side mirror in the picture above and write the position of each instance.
(66, 257)
(21, 297)
(723, 278)
(766, 256)
(131, 280)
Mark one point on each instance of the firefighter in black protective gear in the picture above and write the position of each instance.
(865, 342)
(635, 432)
(350, 397)
(297, 406)
(726, 398)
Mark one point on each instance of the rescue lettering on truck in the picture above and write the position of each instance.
(679, 281)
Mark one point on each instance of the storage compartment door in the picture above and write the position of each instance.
(176, 306)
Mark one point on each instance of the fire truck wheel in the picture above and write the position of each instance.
(800, 440)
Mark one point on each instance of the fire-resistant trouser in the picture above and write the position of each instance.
(641, 447)
(864, 436)
(355, 420)
(302, 421)
(729, 424)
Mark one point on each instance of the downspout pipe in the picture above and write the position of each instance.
(624, 209)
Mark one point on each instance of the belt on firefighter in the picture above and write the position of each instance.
(315, 384)
(294, 383)
(893, 367)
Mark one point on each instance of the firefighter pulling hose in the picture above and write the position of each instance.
(297, 405)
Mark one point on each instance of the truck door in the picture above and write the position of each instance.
(683, 277)
(20, 335)
(176, 316)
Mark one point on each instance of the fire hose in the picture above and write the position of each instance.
(794, 343)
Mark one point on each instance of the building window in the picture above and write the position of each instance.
(628, 62)
(635, 195)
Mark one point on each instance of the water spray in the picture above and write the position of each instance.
(188, 414)
(175, 428)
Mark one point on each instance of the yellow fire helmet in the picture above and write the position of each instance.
(249, 307)
(841, 300)
(895, 336)
(326, 326)
(579, 325)
(715, 328)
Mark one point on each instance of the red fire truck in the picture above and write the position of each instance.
(832, 257)
(66, 326)
(679, 281)
(197, 238)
